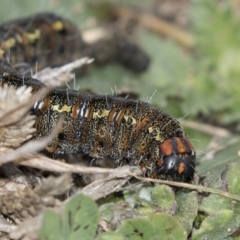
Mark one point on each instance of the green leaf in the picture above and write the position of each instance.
(137, 229)
(218, 226)
(144, 201)
(167, 227)
(214, 203)
(187, 209)
(80, 218)
(51, 227)
(231, 178)
(164, 197)
(110, 236)
(159, 226)
(229, 182)
(106, 211)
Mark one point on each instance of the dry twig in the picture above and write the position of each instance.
(48, 164)
(156, 25)
(206, 128)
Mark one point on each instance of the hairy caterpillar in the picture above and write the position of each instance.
(99, 126)
(110, 126)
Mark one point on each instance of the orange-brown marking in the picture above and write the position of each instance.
(180, 146)
(90, 112)
(111, 114)
(45, 105)
(142, 123)
(74, 113)
(166, 147)
(181, 168)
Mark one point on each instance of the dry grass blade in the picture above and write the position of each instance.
(13, 136)
(15, 112)
(61, 75)
(7, 228)
(206, 128)
(30, 147)
(113, 183)
(16, 124)
(48, 164)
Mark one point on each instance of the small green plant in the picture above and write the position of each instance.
(79, 220)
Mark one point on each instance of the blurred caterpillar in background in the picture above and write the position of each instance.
(49, 40)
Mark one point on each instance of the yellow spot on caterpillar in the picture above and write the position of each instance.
(102, 114)
(58, 26)
(10, 42)
(33, 36)
(65, 108)
(158, 136)
(133, 120)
